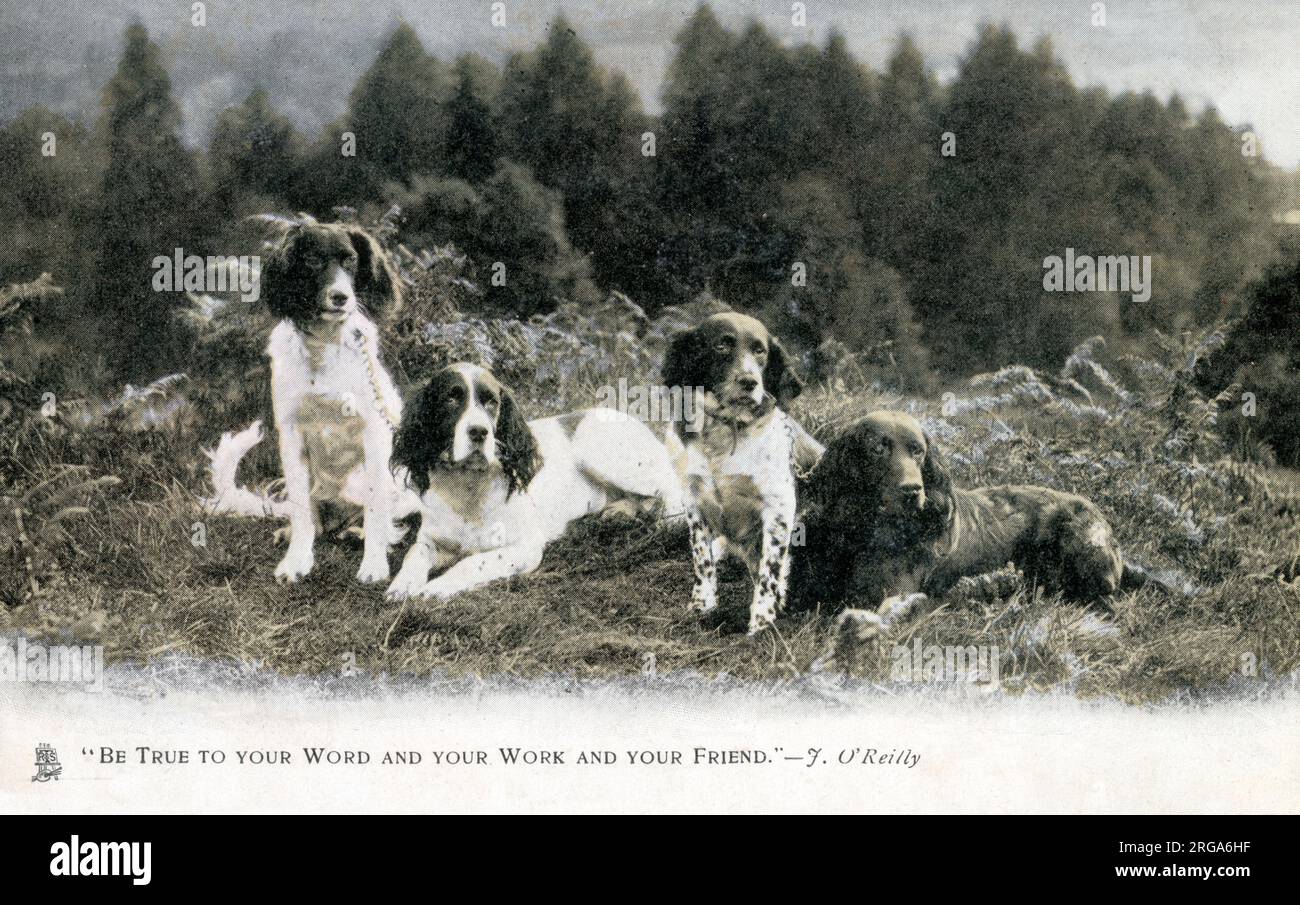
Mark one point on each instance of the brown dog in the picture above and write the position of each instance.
(883, 520)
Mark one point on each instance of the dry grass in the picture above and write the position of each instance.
(609, 599)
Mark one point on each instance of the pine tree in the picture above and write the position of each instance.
(692, 172)
(45, 197)
(1024, 155)
(579, 130)
(146, 208)
(472, 141)
(892, 191)
(398, 113)
(253, 157)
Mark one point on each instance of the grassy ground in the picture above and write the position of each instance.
(610, 597)
(112, 549)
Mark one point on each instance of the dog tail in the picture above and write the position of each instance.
(1171, 581)
(228, 497)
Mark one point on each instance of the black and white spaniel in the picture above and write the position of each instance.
(335, 405)
(496, 489)
(739, 468)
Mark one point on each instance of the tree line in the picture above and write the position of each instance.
(906, 220)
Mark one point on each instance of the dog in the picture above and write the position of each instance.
(739, 468)
(335, 405)
(885, 524)
(496, 489)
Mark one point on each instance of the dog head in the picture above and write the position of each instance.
(884, 464)
(321, 273)
(464, 419)
(743, 369)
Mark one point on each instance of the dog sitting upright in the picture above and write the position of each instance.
(335, 405)
(739, 468)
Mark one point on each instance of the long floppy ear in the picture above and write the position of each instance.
(779, 377)
(940, 510)
(682, 360)
(840, 491)
(283, 282)
(838, 507)
(378, 284)
(516, 446)
(421, 438)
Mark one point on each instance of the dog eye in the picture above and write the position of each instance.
(759, 350)
(881, 447)
(916, 449)
(725, 344)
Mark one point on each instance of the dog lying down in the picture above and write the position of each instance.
(496, 489)
(886, 529)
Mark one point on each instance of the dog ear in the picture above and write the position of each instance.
(682, 365)
(283, 282)
(378, 283)
(939, 509)
(839, 491)
(838, 506)
(779, 377)
(421, 437)
(516, 445)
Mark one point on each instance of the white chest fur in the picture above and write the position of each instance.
(469, 512)
(761, 453)
(734, 476)
(326, 387)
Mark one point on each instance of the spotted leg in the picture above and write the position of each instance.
(773, 570)
(704, 594)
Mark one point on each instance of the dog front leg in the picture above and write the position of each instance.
(483, 568)
(704, 593)
(424, 556)
(299, 558)
(773, 570)
(378, 511)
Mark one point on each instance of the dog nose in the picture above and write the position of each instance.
(478, 435)
(747, 382)
(337, 298)
(911, 491)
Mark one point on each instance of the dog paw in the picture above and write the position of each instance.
(899, 607)
(293, 567)
(702, 601)
(758, 623)
(405, 586)
(437, 590)
(372, 573)
(859, 626)
(620, 510)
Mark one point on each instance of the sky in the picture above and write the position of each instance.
(1241, 56)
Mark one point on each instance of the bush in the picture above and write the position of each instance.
(1262, 354)
(513, 230)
